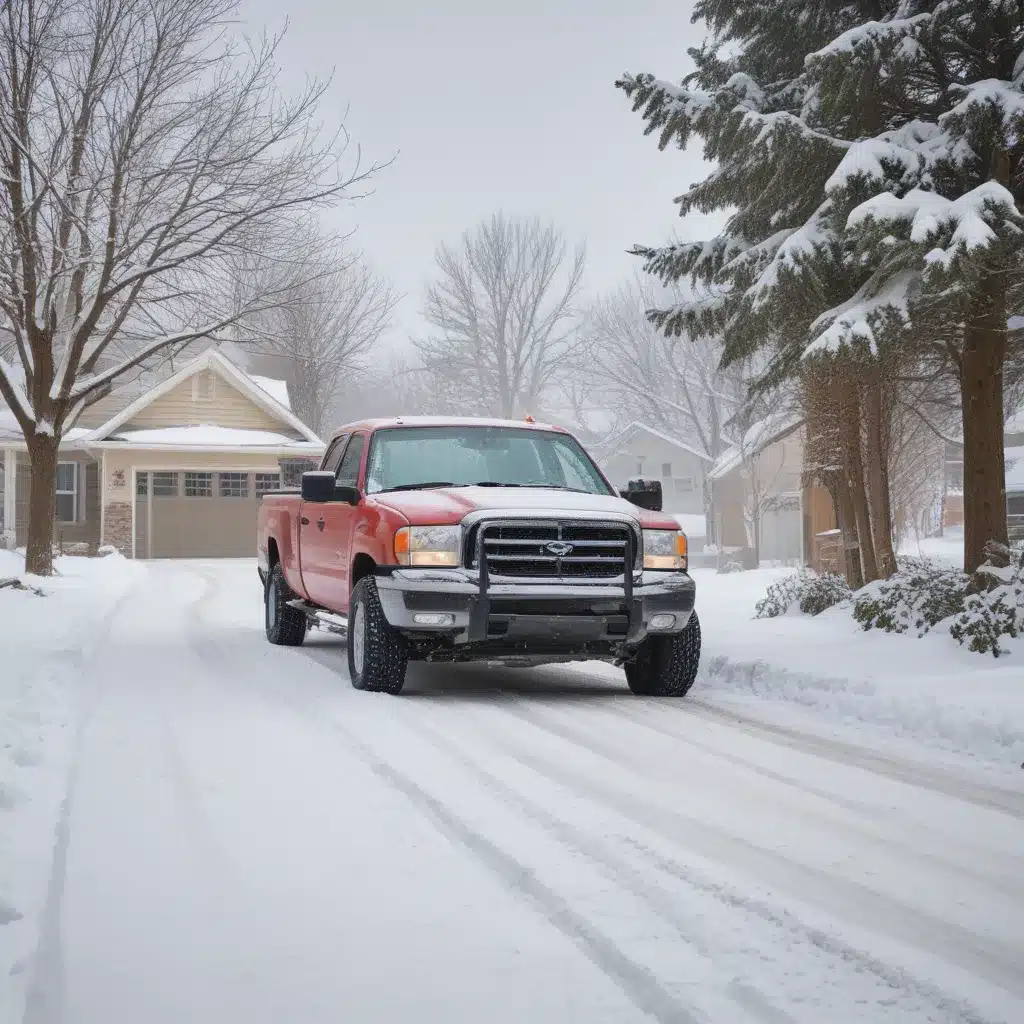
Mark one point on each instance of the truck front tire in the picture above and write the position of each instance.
(377, 655)
(666, 666)
(286, 626)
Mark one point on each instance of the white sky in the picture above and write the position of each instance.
(488, 108)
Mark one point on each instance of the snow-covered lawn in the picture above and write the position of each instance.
(247, 838)
(874, 687)
(47, 644)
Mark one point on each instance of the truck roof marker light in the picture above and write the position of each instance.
(530, 419)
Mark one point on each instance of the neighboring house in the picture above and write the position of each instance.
(953, 501)
(639, 450)
(759, 499)
(1014, 439)
(167, 468)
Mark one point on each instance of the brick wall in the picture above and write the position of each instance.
(117, 526)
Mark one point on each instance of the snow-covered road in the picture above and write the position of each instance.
(249, 839)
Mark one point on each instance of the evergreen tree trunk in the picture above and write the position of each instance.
(848, 533)
(981, 396)
(42, 504)
(877, 450)
(853, 472)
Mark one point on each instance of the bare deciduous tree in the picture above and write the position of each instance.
(139, 141)
(672, 383)
(502, 313)
(333, 310)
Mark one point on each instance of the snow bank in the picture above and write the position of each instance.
(927, 692)
(46, 642)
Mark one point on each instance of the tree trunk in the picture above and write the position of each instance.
(853, 473)
(876, 415)
(848, 534)
(42, 504)
(981, 396)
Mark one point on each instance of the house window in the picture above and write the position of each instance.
(198, 485)
(267, 482)
(165, 485)
(234, 485)
(67, 492)
(292, 470)
(666, 470)
(684, 484)
(142, 484)
(204, 387)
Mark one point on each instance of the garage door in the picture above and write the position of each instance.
(189, 514)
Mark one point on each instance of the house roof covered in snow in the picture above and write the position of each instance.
(614, 442)
(136, 394)
(774, 427)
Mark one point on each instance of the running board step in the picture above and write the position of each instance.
(326, 620)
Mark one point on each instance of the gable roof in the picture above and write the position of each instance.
(217, 363)
(611, 443)
(774, 427)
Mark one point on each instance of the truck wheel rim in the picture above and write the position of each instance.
(358, 639)
(272, 602)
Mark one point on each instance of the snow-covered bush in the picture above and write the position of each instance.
(811, 592)
(917, 597)
(994, 613)
(730, 567)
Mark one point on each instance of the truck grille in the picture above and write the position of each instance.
(542, 549)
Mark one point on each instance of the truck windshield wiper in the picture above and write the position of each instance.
(549, 487)
(417, 487)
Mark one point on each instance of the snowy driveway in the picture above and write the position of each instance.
(249, 839)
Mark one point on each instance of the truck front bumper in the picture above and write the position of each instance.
(463, 609)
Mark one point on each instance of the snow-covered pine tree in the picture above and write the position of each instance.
(871, 154)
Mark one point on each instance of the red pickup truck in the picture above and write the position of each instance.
(467, 539)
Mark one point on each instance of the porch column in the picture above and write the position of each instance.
(10, 483)
(116, 506)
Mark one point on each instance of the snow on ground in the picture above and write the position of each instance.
(250, 839)
(948, 548)
(47, 644)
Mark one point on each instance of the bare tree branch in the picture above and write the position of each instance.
(502, 311)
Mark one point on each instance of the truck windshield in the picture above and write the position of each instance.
(411, 457)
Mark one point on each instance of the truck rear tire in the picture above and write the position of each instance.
(377, 655)
(286, 626)
(666, 666)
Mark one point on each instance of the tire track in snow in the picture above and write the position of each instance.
(843, 898)
(637, 982)
(983, 795)
(556, 726)
(46, 995)
(660, 899)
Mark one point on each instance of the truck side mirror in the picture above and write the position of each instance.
(644, 494)
(318, 486)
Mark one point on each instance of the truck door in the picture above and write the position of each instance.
(306, 539)
(327, 540)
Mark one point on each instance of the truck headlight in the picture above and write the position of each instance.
(664, 549)
(428, 545)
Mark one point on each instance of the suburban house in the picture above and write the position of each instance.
(639, 450)
(953, 499)
(1014, 439)
(758, 485)
(167, 467)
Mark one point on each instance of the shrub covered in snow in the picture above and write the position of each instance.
(994, 613)
(917, 597)
(811, 592)
(730, 567)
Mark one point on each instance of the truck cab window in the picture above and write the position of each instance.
(348, 471)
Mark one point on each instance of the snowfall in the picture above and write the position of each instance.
(196, 826)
